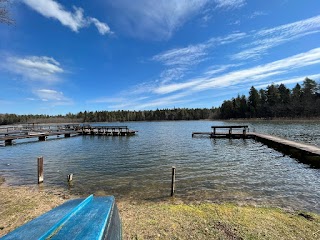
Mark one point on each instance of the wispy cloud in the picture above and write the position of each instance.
(154, 19)
(192, 54)
(257, 14)
(229, 4)
(74, 20)
(169, 95)
(159, 19)
(102, 27)
(141, 103)
(311, 57)
(263, 40)
(180, 60)
(213, 70)
(174, 73)
(296, 79)
(164, 89)
(53, 97)
(41, 68)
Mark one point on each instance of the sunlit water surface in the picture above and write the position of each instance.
(139, 167)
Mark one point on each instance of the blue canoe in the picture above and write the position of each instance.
(90, 218)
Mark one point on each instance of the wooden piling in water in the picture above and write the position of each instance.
(70, 176)
(173, 181)
(40, 170)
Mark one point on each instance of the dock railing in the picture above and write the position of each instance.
(244, 129)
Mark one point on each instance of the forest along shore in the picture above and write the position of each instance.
(169, 219)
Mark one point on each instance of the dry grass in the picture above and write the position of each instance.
(170, 220)
(215, 221)
(19, 205)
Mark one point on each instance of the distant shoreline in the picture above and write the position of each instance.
(314, 119)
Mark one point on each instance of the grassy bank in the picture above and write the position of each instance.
(215, 221)
(171, 220)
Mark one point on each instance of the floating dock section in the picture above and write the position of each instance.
(106, 130)
(305, 153)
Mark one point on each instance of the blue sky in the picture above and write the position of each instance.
(65, 56)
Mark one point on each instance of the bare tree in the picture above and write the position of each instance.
(4, 13)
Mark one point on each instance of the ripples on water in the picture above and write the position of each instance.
(139, 167)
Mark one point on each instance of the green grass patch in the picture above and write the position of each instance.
(215, 221)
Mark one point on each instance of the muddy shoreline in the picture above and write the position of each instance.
(169, 218)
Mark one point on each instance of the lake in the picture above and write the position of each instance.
(139, 167)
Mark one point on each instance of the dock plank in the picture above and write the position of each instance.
(297, 145)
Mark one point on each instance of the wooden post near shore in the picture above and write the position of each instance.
(70, 176)
(40, 170)
(173, 181)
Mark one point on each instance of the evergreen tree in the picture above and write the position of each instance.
(253, 101)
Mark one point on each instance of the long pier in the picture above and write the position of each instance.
(9, 134)
(305, 153)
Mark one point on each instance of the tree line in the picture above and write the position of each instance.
(112, 116)
(275, 101)
(302, 101)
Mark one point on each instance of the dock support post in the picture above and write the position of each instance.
(40, 170)
(173, 181)
(42, 138)
(8, 142)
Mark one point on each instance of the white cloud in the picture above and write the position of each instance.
(172, 74)
(53, 97)
(257, 73)
(177, 86)
(170, 95)
(74, 20)
(139, 103)
(48, 94)
(260, 72)
(213, 70)
(297, 79)
(229, 4)
(192, 54)
(257, 14)
(102, 27)
(180, 60)
(265, 39)
(154, 19)
(34, 67)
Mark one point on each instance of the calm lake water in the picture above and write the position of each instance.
(139, 167)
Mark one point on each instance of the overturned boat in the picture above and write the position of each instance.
(90, 218)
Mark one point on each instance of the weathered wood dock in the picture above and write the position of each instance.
(106, 130)
(305, 153)
(228, 132)
(9, 134)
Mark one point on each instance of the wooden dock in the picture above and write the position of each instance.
(305, 153)
(106, 130)
(10, 134)
(233, 131)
